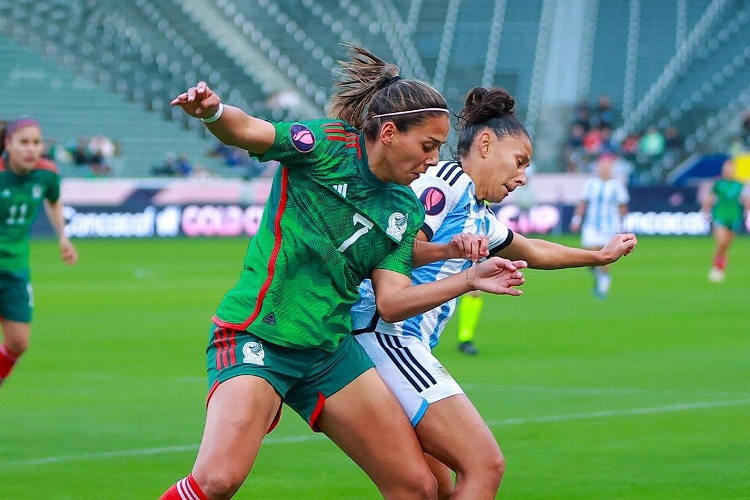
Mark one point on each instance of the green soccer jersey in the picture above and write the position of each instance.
(727, 207)
(327, 224)
(20, 199)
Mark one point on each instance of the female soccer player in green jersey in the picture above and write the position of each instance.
(340, 210)
(727, 207)
(26, 182)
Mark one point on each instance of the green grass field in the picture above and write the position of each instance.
(645, 395)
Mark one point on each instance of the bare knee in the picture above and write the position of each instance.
(422, 486)
(218, 484)
(497, 467)
(482, 475)
(16, 346)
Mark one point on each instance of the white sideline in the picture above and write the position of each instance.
(313, 437)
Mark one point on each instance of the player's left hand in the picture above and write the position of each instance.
(618, 246)
(469, 246)
(497, 275)
(68, 252)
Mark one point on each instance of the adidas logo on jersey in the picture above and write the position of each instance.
(270, 319)
(341, 189)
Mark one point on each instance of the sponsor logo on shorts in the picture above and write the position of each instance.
(253, 353)
(302, 138)
(442, 371)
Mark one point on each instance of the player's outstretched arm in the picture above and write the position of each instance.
(229, 124)
(542, 254)
(397, 299)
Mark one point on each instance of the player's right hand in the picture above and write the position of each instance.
(199, 101)
(618, 246)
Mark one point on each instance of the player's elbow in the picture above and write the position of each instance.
(390, 311)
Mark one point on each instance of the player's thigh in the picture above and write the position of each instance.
(365, 420)
(723, 231)
(239, 413)
(410, 370)
(452, 431)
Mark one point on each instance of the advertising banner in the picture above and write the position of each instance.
(227, 208)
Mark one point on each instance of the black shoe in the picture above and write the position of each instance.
(468, 348)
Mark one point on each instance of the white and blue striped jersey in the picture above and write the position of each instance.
(451, 207)
(603, 199)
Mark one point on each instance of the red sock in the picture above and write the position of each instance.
(185, 489)
(7, 360)
(720, 263)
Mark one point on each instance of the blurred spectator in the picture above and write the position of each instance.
(746, 126)
(183, 166)
(57, 152)
(672, 148)
(95, 154)
(629, 146)
(737, 146)
(603, 116)
(168, 167)
(651, 146)
(582, 115)
(281, 102)
(592, 142)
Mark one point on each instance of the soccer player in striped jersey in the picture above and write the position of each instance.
(494, 151)
(599, 215)
(727, 205)
(27, 182)
(340, 210)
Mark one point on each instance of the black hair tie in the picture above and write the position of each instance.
(392, 80)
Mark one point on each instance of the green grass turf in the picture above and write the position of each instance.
(643, 395)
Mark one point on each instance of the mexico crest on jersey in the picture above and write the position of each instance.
(253, 353)
(397, 225)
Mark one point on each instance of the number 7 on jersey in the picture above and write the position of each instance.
(357, 219)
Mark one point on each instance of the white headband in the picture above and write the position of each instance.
(410, 111)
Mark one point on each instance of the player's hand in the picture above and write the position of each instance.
(199, 101)
(497, 275)
(469, 246)
(68, 252)
(618, 246)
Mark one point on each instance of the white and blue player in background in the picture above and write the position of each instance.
(494, 151)
(599, 215)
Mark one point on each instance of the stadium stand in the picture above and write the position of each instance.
(673, 63)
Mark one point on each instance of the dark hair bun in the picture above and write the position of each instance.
(483, 104)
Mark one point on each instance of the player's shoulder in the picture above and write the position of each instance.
(448, 176)
(46, 165)
(43, 165)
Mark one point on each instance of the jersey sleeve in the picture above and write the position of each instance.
(623, 195)
(497, 232)
(438, 199)
(303, 144)
(52, 180)
(400, 259)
